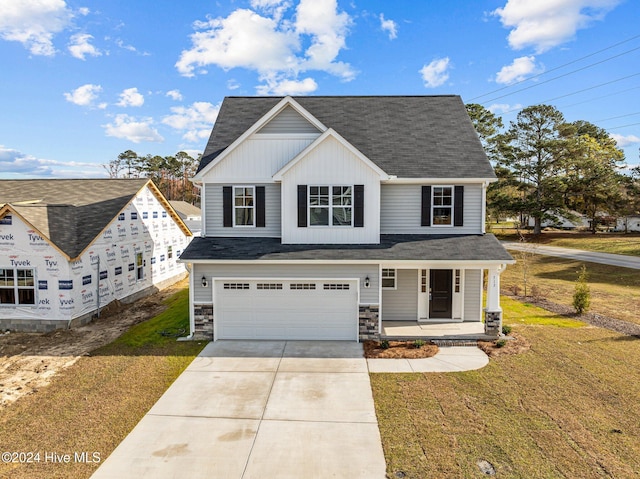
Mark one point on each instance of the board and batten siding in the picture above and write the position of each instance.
(309, 271)
(473, 295)
(401, 206)
(258, 158)
(330, 163)
(214, 213)
(401, 304)
(286, 122)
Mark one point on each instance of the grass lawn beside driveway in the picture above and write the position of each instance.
(615, 291)
(92, 405)
(567, 407)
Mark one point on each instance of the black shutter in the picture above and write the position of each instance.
(227, 206)
(358, 206)
(302, 206)
(426, 206)
(458, 206)
(260, 208)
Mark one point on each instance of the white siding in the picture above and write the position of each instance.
(473, 295)
(214, 213)
(330, 163)
(400, 211)
(258, 158)
(288, 121)
(401, 304)
(253, 270)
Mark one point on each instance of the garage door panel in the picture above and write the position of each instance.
(287, 313)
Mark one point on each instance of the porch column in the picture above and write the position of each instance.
(493, 311)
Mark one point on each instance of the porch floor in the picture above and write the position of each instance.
(470, 331)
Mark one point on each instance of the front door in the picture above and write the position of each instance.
(440, 293)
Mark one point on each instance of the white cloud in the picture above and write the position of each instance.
(389, 26)
(233, 84)
(310, 38)
(84, 11)
(435, 73)
(504, 107)
(282, 87)
(132, 129)
(623, 140)
(120, 43)
(196, 120)
(174, 95)
(84, 95)
(16, 163)
(549, 23)
(80, 46)
(130, 97)
(34, 23)
(518, 70)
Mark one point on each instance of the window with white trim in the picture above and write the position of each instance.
(330, 205)
(442, 204)
(17, 286)
(388, 278)
(244, 206)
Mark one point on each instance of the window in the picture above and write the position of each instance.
(330, 205)
(388, 278)
(335, 286)
(457, 282)
(139, 267)
(442, 206)
(243, 206)
(236, 285)
(423, 281)
(269, 286)
(17, 286)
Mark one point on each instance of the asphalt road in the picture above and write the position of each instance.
(621, 260)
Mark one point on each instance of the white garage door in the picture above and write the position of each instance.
(274, 309)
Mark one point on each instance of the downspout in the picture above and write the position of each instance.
(189, 269)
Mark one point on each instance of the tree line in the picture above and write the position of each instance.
(548, 167)
(169, 173)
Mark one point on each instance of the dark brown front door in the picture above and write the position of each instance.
(440, 293)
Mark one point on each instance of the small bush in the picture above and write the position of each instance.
(535, 291)
(582, 293)
(418, 343)
(384, 344)
(501, 343)
(506, 329)
(515, 290)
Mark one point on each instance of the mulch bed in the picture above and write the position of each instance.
(399, 349)
(518, 344)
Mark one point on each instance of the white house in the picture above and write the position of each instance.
(630, 223)
(324, 216)
(68, 248)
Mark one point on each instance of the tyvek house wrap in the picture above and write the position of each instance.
(138, 249)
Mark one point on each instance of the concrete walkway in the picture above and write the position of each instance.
(259, 409)
(622, 260)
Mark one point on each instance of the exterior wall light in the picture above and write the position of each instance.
(204, 282)
(367, 282)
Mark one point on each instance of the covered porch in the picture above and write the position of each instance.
(444, 331)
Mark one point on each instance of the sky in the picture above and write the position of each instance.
(82, 81)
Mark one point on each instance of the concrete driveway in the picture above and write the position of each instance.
(259, 409)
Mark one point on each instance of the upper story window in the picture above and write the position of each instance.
(243, 206)
(388, 278)
(17, 286)
(442, 204)
(330, 205)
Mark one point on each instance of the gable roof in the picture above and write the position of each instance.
(185, 209)
(72, 213)
(406, 136)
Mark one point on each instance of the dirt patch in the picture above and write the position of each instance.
(29, 360)
(399, 349)
(517, 345)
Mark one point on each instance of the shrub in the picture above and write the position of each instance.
(582, 293)
(506, 329)
(418, 343)
(500, 343)
(384, 344)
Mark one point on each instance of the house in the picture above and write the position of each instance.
(189, 214)
(68, 248)
(573, 220)
(324, 216)
(628, 224)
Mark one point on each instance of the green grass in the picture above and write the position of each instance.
(566, 408)
(517, 313)
(92, 405)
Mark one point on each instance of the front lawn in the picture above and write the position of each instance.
(92, 405)
(567, 407)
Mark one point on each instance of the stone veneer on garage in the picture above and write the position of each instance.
(368, 320)
(493, 323)
(203, 321)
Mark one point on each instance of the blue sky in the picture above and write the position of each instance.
(83, 81)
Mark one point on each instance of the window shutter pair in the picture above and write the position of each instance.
(227, 207)
(358, 206)
(458, 206)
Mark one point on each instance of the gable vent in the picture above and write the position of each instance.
(288, 121)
